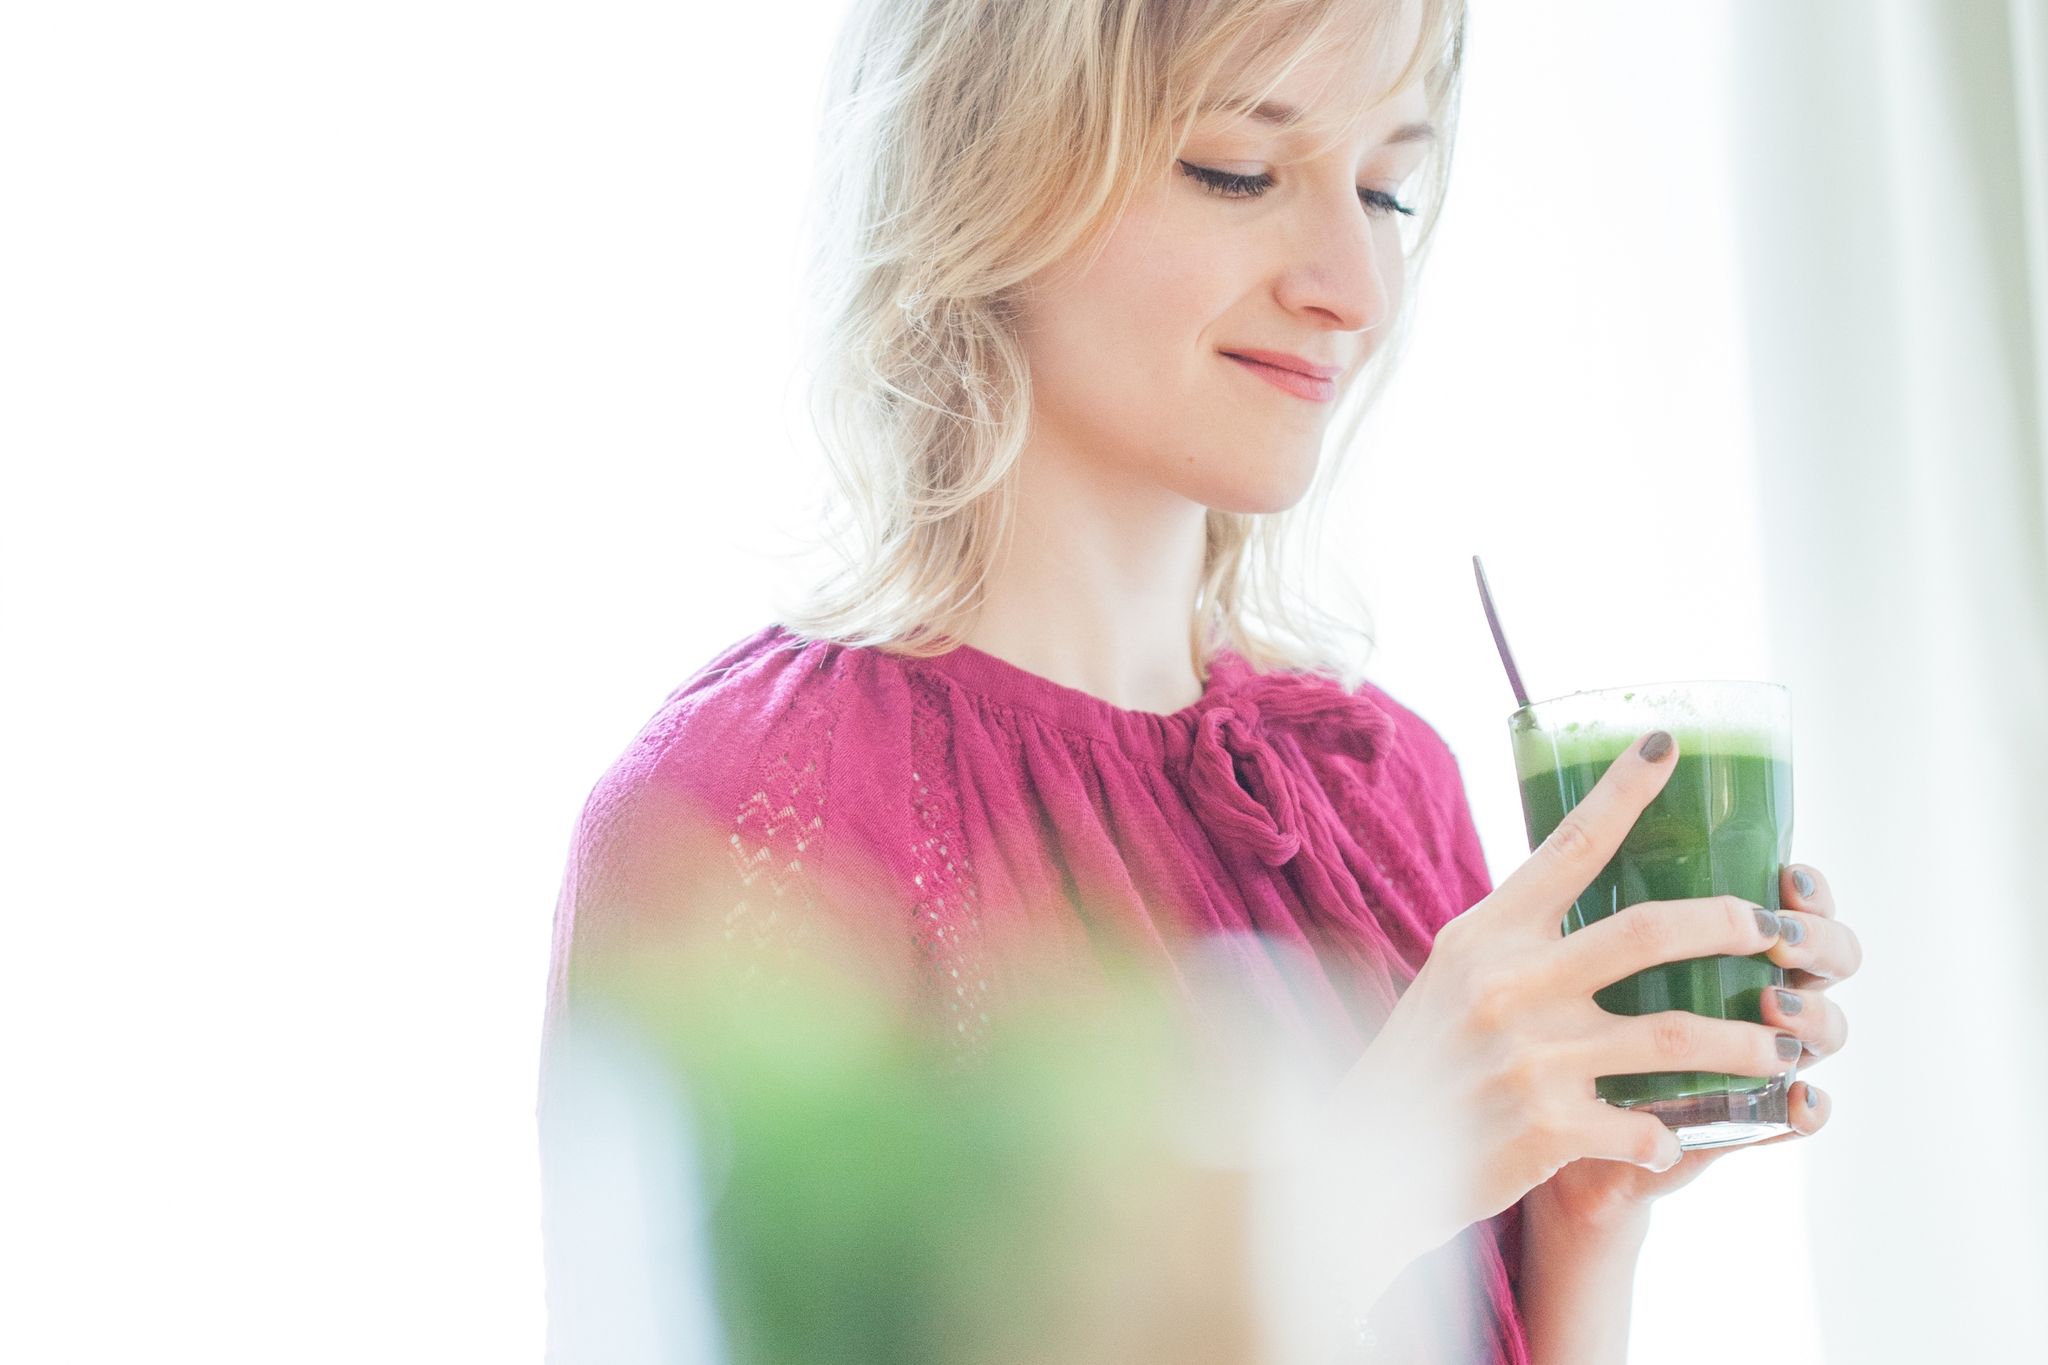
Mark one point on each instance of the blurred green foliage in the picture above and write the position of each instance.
(879, 1191)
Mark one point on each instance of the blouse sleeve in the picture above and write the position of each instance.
(650, 863)
(648, 860)
(1466, 864)
(1444, 822)
(1452, 837)
(710, 832)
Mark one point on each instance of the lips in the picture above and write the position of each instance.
(1310, 386)
(1283, 361)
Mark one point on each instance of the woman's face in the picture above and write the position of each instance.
(1238, 246)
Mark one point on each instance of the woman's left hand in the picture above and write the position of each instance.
(1816, 950)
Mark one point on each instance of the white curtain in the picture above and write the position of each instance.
(1891, 159)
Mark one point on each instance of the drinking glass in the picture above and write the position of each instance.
(1721, 826)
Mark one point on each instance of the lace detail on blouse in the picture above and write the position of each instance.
(945, 922)
(778, 826)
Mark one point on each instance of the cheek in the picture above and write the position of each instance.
(1180, 278)
(1162, 279)
(1393, 268)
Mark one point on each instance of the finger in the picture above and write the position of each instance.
(1808, 1114)
(1651, 932)
(1824, 948)
(1801, 887)
(1809, 1110)
(1679, 1040)
(1583, 842)
(1614, 1134)
(1810, 1016)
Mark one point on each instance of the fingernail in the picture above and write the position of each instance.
(1656, 746)
(1788, 1047)
(1789, 1002)
(1767, 922)
(1812, 1096)
(1802, 881)
(1794, 931)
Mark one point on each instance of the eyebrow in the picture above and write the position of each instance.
(1286, 116)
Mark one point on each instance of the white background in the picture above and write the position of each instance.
(399, 401)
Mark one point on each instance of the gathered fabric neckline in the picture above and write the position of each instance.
(996, 679)
(1223, 742)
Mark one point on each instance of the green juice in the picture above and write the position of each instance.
(1721, 826)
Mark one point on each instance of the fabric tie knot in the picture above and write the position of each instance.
(1238, 777)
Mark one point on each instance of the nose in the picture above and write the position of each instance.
(1342, 265)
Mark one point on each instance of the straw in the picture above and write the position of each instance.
(1500, 641)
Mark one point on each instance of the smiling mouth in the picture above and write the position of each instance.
(1286, 360)
(1287, 381)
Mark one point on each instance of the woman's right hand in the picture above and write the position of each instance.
(1479, 1087)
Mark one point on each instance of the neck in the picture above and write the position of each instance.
(1097, 590)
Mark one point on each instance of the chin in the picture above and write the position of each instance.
(1280, 490)
(1255, 502)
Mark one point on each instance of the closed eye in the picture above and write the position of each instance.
(1232, 186)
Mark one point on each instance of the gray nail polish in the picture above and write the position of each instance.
(1794, 931)
(1767, 922)
(1802, 881)
(1656, 746)
(1788, 1047)
(1812, 1096)
(1789, 1002)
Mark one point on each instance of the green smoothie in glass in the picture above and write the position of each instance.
(1721, 826)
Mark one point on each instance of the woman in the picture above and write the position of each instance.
(1097, 277)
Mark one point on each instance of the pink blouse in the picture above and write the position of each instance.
(978, 814)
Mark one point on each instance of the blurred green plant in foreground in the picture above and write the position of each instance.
(876, 1192)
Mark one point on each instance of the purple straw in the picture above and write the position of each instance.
(1500, 641)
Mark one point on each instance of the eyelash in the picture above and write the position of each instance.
(1252, 186)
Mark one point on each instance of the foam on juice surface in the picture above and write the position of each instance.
(1729, 719)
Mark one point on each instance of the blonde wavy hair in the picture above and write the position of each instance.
(967, 145)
